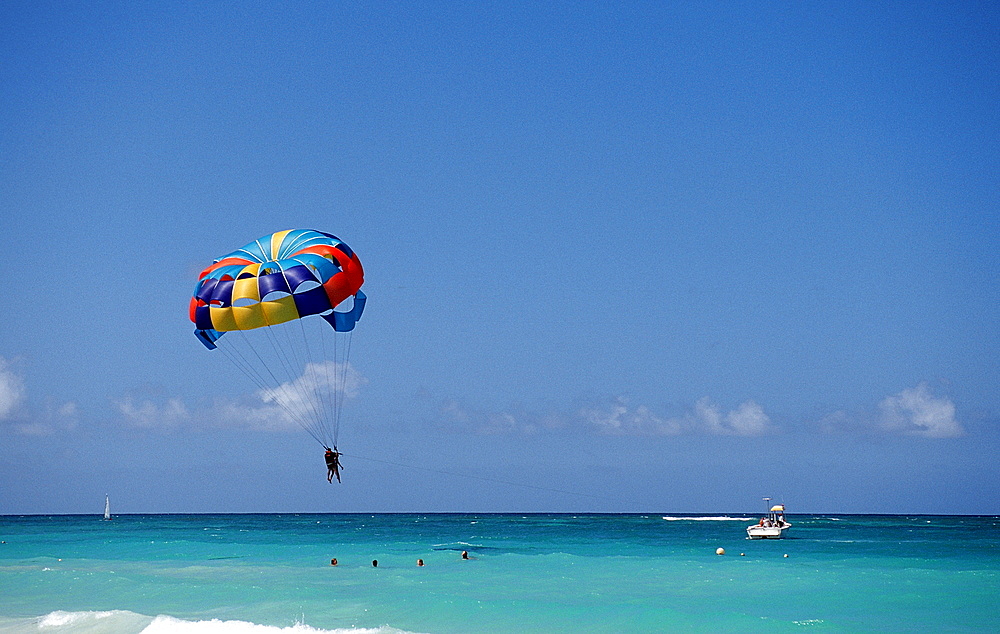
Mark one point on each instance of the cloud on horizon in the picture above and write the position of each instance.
(748, 419)
(12, 390)
(918, 412)
(45, 420)
(452, 414)
(912, 412)
(53, 419)
(146, 414)
(280, 409)
(618, 419)
(614, 418)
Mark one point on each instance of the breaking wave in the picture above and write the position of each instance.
(125, 622)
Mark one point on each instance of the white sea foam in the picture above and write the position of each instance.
(169, 625)
(713, 518)
(60, 618)
(91, 622)
(462, 545)
(125, 622)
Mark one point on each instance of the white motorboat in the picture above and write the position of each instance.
(772, 525)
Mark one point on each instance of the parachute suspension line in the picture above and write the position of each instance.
(308, 389)
(238, 359)
(339, 381)
(329, 395)
(291, 374)
(294, 370)
(320, 401)
(276, 383)
(337, 397)
(342, 385)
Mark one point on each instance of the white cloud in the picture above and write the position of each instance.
(839, 421)
(610, 417)
(149, 415)
(287, 407)
(618, 419)
(748, 419)
(606, 419)
(455, 415)
(709, 416)
(916, 411)
(173, 414)
(453, 411)
(67, 410)
(317, 392)
(53, 419)
(318, 381)
(44, 421)
(12, 390)
(254, 416)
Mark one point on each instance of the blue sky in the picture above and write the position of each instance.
(619, 257)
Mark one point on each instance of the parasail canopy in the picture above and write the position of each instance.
(288, 277)
(284, 276)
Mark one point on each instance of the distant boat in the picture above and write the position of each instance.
(772, 525)
(107, 507)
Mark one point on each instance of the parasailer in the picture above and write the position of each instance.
(333, 465)
(268, 294)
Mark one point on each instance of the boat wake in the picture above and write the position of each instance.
(708, 518)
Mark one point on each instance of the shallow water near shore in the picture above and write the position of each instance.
(527, 573)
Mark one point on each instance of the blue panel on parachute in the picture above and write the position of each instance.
(345, 322)
(208, 337)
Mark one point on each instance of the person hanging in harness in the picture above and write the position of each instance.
(333, 465)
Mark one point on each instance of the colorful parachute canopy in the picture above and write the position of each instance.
(284, 276)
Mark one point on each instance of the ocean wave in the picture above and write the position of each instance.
(456, 546)
(125, 622)
(712, 518)
(168, 625)
(82, 622)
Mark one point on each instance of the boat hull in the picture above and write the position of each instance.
(766, 532)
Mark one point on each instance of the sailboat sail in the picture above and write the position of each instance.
(107, 507)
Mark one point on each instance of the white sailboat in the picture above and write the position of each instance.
(107, 507)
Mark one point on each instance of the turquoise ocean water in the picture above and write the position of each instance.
(529, 573)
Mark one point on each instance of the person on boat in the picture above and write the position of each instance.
(333, 465)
